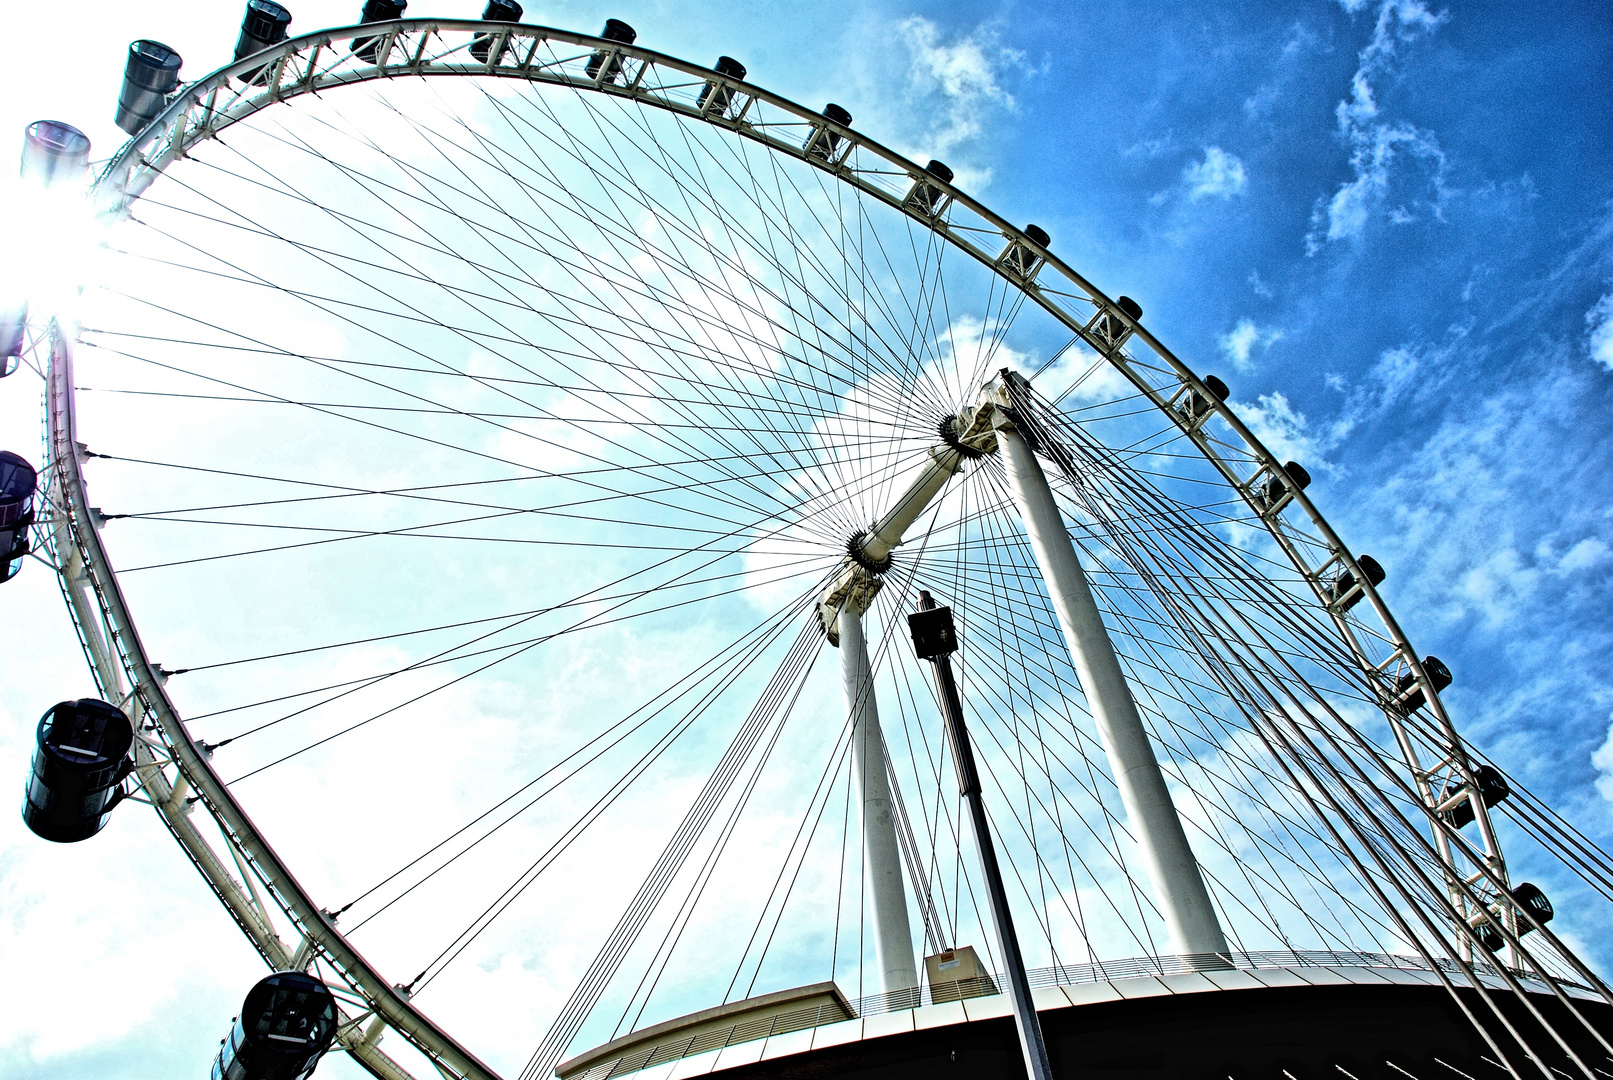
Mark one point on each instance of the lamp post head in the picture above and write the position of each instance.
(934, 634)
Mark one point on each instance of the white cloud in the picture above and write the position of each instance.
(1220, 175)
(1603, 760)
(1587, 553)
(1283, 429)
(1377, 143)
(962, 72)
(1600, 342)
(1239, 343)
(1151, 148)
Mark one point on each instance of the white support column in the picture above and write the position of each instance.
(882, 861)
(1183, 899)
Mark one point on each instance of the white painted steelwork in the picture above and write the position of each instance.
(170, 764)
(1178, 886)
(893, 935)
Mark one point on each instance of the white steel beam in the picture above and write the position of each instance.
(1178, 885)
(882, 860)
(927, 482)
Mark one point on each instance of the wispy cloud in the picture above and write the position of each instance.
(1603, 760)
(1151, 148)
(961, 72)
(1219, 176)
(1284, 430)
(1239, 343)
(1600, 341)
(1377, 143)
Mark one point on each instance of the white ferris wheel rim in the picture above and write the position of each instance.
(209, 105)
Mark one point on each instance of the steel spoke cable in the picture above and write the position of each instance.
(725, 665)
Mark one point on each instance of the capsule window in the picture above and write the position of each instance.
(265, 26)
(1020, 258)
(1279, 488)
(150, 77)
(716, 97)
(18, 483)
(926, 198)
(605, 65)
(1195, 407)
(287, 1023)
(481, 46)
(1492, 789)
(53, 152)
(368, 48)
(13, 338)
(80, 762)
(1408, 695)
(1345, 592)
(823, 142)
(1113, 329)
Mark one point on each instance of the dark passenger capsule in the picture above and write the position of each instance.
(926, 198)
(375, 11)
(1346, 582)
(719, 95)
(1493, 788)
(53, 151)
(18, 482)
(615, 30)
(13, 337)
(264, 27)
(149, 78)
(1197, 405)
(1116, 329)
(1278, 488)
(287, 1022)
(496, 11)
(81, 761)
(822, 143)
(1019, 258)
(1409, 695)
(1529, 898)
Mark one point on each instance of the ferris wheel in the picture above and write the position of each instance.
(488, 424)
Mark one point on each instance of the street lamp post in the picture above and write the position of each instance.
(935, 639)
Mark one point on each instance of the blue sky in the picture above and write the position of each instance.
(1388, 227)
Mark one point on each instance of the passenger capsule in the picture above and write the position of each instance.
(1528, 897)
(1197, 406)
(264, 27)
(1409, 694)
(53, 151)
(719, 95)
(1492, 789)
(1020, 259)
(1278, 488)
(18, 482)
(79, 768)
(150, 76)
(375, 11)
(13, 338)
(1345, 585)
(1115, 329)
(609, 60)
(502, 11)
(822, 143)
(926, 198)
(287, 1023)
